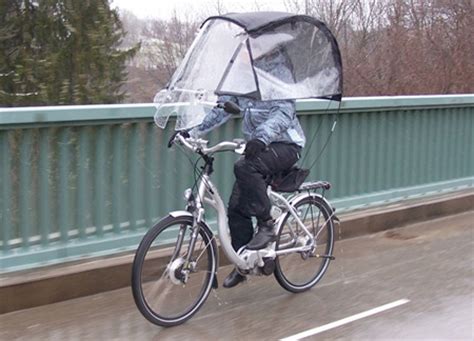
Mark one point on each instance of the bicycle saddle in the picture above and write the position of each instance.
(288, 181)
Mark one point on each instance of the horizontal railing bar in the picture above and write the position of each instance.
(77, 113)
(399, 194)
(89, 231)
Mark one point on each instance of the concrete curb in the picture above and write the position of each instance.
(404, 213)
(26, 289)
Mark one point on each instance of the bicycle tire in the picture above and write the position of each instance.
(150, 273)
(285, 264)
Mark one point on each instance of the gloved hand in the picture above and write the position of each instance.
(183, 133)
(253, 147)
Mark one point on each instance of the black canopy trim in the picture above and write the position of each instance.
(255, 23)
(252, 21)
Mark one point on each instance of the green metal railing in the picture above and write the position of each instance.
(90, 180)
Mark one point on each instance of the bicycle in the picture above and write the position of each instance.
(175, 265)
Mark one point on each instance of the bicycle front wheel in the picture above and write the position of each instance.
(299, 271)
(167, 289)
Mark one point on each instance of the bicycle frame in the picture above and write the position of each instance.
(208, 193)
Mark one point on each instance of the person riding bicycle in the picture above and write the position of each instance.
(274, 140)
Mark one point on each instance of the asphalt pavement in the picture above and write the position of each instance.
(415, 282)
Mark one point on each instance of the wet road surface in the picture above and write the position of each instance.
(430, 265)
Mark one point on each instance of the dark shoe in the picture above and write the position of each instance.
(263, 236)
(233, 279)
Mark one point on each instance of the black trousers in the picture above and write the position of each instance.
(249, 194)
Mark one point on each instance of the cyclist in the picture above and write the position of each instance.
(274, 139)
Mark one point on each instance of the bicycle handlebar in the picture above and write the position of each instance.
(199, 145)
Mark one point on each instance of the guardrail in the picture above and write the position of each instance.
(79, 181)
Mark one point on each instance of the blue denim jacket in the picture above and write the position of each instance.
(269, 121)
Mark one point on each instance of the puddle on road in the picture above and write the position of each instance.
(220, 300)
(397, 235)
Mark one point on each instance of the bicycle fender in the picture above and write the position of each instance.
(175, 214)
(301, 196)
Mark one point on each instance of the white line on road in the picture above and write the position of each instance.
(349, 319)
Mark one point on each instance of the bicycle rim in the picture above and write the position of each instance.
(298, 272)
(161, 292)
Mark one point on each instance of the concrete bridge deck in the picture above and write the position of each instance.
(425, 268)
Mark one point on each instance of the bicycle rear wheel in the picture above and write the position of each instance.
(167, 291)
(299, 271)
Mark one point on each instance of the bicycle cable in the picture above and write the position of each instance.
(194, 164)
(197, 174)
(336, 117)
(314, 137)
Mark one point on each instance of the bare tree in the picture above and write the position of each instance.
(219, 7)
(389, 47)
(334, 13)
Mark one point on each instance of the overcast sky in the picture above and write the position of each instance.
(164, 8)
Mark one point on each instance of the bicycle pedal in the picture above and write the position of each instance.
(268, 267)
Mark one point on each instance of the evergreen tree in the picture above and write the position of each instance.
(61, 52)
(20, 59)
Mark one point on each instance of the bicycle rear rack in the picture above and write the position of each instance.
(306, 186)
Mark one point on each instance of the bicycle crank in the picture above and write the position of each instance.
(331, 257)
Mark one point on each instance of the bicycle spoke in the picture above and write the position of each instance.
(171, 290)
(160, 293)
(299, 271)
(204, 249)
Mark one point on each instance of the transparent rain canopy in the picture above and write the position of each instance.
(263, 56)
(188, 107)
(294, 61)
